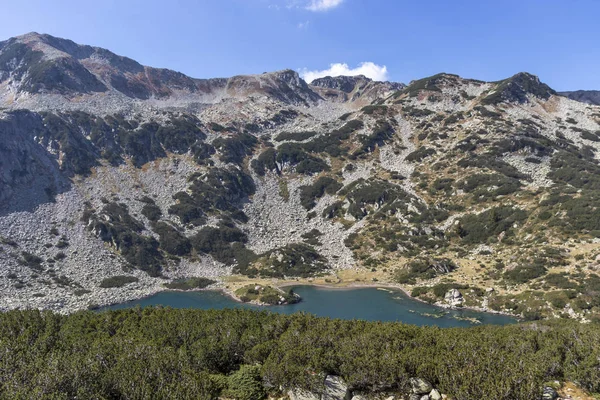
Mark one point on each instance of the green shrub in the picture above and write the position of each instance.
(295, 136)
(245, 384)
(189, 283)
(309, 194)
(420, 154)
(151, 211)
(117, 281)
(478, 228)
(235, 149)
(218, 242)
(171, 240)
(524, 273)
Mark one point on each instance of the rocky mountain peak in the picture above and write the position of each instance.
(286, 86)
(352, 88)
(517, 88)
(344, 83)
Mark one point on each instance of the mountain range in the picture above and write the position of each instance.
(118, 178)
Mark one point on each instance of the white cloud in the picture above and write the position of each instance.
(303, 25)
(323, 5)
(368, 69)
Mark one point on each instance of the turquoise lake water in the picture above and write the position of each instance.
(369, 304)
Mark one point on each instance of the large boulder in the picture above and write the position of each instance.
(454, 298)
(420, 386)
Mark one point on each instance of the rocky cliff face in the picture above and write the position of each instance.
(110, 169)
(353, 88)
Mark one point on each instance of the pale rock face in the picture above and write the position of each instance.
(454, 298)
(335, 388)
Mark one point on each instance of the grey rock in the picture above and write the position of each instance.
(300, 394)
(435, 395)
(549, 394)
(420, 386)
(335, 388)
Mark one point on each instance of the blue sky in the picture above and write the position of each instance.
(483, 39)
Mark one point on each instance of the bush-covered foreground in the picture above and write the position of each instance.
(159, 353)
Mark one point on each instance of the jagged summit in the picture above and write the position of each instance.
(42, 64)
(285, 85)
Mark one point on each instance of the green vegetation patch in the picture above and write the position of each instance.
(363, 195)
(516, 89)
(383, 131)
(296, 259)
(420, 154)
(423, 269)
(234, 149)
(117, 281)
(480, 228)
(218, 191)
(171, 240)
(267, 295)
(295, 136)
(485, 186)
(266, 161)
(310, 193)
(114, 224)
(189, 283)
(224, 242)
(232, 353)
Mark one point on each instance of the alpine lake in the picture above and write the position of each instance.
(370, 304)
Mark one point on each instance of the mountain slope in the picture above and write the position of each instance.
(447, 183)
(585, 96)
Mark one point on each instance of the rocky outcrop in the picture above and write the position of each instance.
(353, 88)
(334, 388)
(454, 298)
(549, 393)
(29, 169)
(420, 386)
(423, 390)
